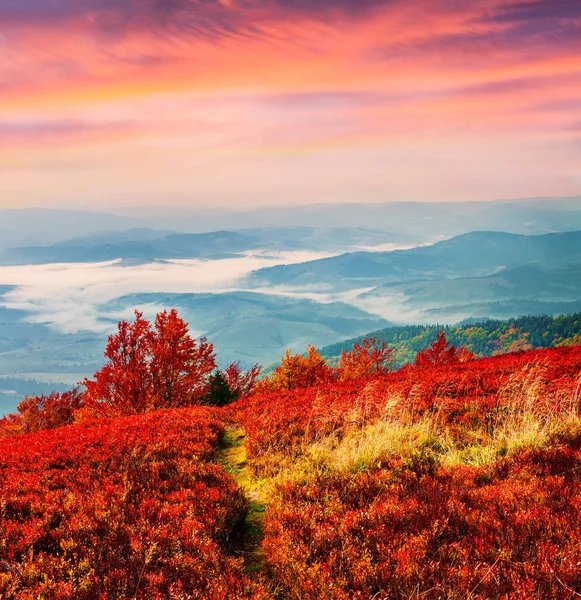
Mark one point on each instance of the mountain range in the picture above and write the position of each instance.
(418, 221)
(473, 254)
(148, 245)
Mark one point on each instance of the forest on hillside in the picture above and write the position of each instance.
(483, 338)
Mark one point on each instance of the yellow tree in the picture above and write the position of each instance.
(297, 371)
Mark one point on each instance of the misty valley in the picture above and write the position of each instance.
(255, 292)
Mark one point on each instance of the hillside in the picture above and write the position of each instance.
(511, 283)
(459, 478)
(484, 338)
(449, 481)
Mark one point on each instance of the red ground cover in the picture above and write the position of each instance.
(463, 395)
(120, 508)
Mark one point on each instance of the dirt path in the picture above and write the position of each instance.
(232, 454)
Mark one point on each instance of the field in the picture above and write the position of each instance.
(451, 481)
(133, 507)
(455, 478)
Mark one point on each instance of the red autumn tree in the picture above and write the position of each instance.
(367, 358)
(441, 353)
(123, 385)
(148, 369)
(180, 366)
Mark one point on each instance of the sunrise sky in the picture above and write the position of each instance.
(246, 102)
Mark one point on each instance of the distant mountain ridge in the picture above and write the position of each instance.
(473, 254)
(144, 244)
(427, 220)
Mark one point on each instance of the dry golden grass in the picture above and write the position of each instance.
(528, 416)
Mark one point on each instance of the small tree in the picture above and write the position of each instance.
(441, 353)
(180, 367)
(148, 369)
(297, 371)
(219, 392)
(367, 358)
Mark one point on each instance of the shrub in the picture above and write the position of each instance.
(129, 507)
(365, 359)
(297, 372)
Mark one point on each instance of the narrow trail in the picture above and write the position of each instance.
(232, 455)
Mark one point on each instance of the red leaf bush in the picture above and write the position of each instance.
(129, 507)
(509, 530)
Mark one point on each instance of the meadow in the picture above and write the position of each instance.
(450, 477)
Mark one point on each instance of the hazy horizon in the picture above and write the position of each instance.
(146, 210)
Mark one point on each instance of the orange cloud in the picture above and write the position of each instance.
(140, 89)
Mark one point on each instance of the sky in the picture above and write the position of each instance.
(243, 103)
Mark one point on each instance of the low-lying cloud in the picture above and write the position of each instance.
(71, 296)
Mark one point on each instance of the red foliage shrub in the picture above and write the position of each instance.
(36, 413)
(297, 372)
(462, 394)
(365, 359)
(511, 530)
(11, 425)
(48, 412)
(120, 508)
(440, 354)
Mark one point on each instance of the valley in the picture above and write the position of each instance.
(254, 292)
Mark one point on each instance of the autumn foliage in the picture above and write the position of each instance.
(300, 371)
(150, 368)
(452, 477)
